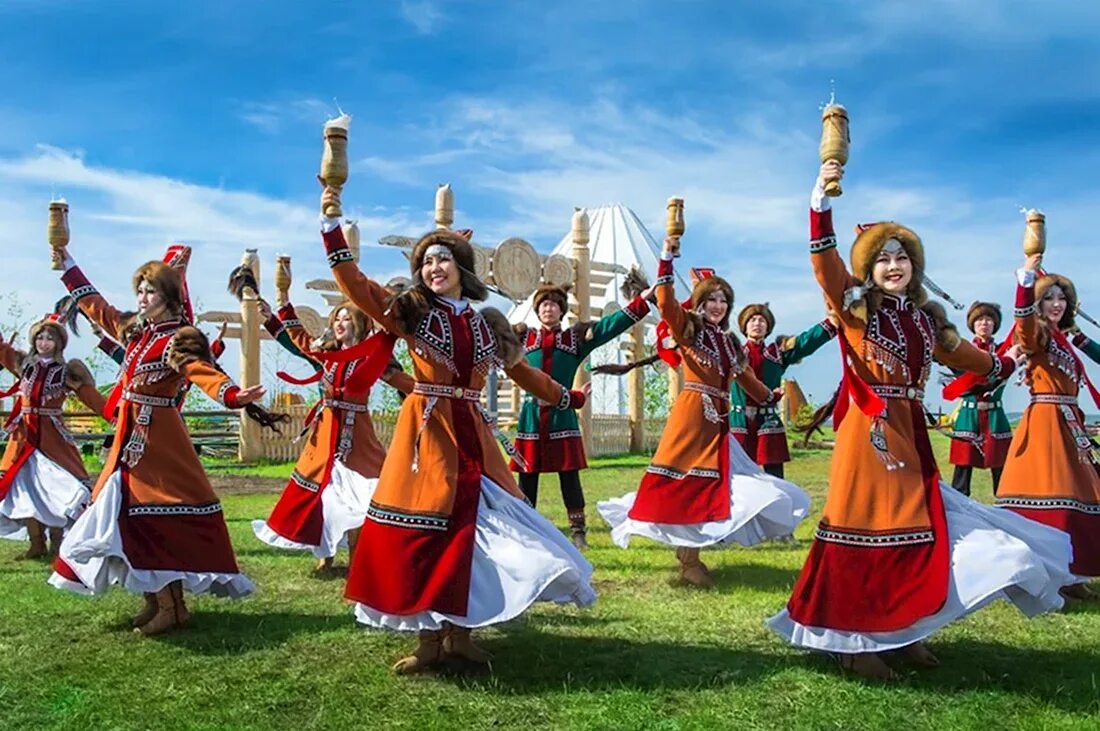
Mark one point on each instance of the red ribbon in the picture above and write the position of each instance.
(284, 376)
(11, 391)
(855, 388)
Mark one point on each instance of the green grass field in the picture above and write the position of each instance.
(650, 654)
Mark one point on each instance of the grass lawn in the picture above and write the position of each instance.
(650, 654)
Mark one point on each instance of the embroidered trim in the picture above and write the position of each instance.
(301, 481)
(340, 256)
(1057, 503)
(674, 474)
(160, 510)
(84, 290)
(1026, 311)
(390, 516)
(877, 540)
(824, 243)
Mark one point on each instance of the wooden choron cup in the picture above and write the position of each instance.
(674, 223)
(57, 233)
(282, 279)
(1035, 234)
(834, 141)
(334, 159)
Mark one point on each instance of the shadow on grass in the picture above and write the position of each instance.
(231, 633)
(1065, 679)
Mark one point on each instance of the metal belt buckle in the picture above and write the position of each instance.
(459, 392)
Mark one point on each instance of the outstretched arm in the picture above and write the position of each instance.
(967, 357)
(807, 343)
(543, 387)
(1087, 345)
(609, 327)
(753, 386)
(10, 357)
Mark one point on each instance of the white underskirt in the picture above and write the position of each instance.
(519, 558)
(995, 554)
(344, 503)
(42, 490)
(93, 550)
(762, 507)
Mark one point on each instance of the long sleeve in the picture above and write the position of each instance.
(808, 343)
(1027, 316)
(113, 350)
(832, 276)
(214, 382)
(543, 387)
(292, 328)
(609, 327)
(753, 386)
(91, 302)
(671, 311)
(1088, 346)
(967, 357)
(10, 358)
(88, 395)
(365, 293)
(282, 336)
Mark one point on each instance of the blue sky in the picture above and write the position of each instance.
(203, 125)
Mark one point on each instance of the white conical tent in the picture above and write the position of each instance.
(617, 237)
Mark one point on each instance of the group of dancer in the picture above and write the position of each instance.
(442, 539)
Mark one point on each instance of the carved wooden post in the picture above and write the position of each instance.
(251, 448)
(581, 292)
(635, 390)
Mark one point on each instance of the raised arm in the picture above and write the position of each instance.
(298, 337)
(609, 327)
(966, 357)
(1027, 315)
(543, 387)
(670, 310)
(1087, 345)
(89, 300)
(11, 358)
(365, 293)
(807, 343)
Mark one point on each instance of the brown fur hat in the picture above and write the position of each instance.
(560, 295)
(165, 280)
(472, 287)
(510, 348)
(1048, 280)
(869, 242)
(188, 345)
(756, 309)
(704, 288)
(984, 309)
(55, 328)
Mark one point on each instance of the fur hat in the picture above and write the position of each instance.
(704, 288)
(869, 242)
(472, 287)
(55, 328)
(166, 280)
(984, 309)
(560, 295)
(755, 309)
(1049, 280)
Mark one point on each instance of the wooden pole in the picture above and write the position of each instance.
(251, 446)
(582, 295)
(635, 389)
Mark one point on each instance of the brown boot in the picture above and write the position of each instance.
(353, 541)
(578, 529)
(38, 547)
(428, 654)
(457, 642)
(868, 665)
(692, 570)
(147, 612)
(56, 536)
(171, 612)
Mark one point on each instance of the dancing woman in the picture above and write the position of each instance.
(449, 543)
(326, 499)
(701, 489)
(549, 438)
(757, 426)
(155, 525)
(1051, 472)
(43, 483)
(898, 554)
(981, 433)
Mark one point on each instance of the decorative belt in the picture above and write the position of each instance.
(41, 411)
(911, 393)
(436, 391)
(753, 411)
(332, 403)
(1053, 398)
(439, 390)
(710, 410)
(146, 400)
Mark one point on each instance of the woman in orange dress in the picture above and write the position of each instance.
(898, 553)
(43, 483)
(449, 543)
(325, 502)
(701, 489)
(155, 525)
(1051, 472)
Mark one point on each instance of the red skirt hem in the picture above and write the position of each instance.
(552, 455)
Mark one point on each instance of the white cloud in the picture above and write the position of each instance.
(425, 15)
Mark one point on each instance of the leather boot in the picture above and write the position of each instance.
(38, 547)
(692, 570)
(457, 642)
(428, 654)
(353, 541)
(148, 611)
(56, 535)
(578, 528)
(171, 612)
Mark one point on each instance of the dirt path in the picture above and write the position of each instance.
(246, 484)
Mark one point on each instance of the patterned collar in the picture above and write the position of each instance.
(897, 302)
